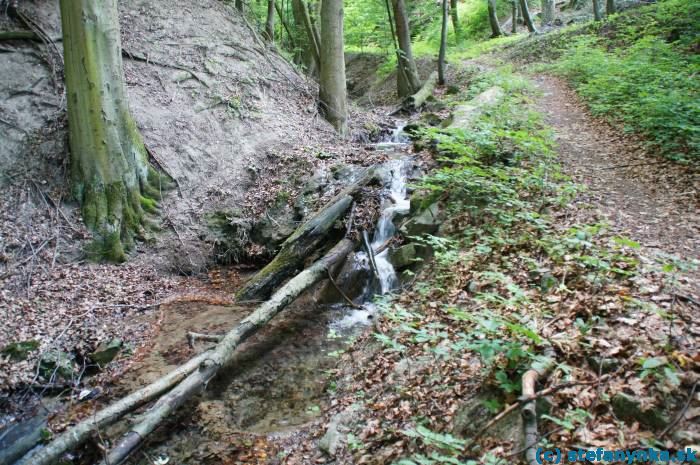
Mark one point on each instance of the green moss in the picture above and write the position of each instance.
(148, 205)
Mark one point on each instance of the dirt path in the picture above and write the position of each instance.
(643, 196)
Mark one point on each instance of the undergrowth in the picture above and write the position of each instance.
(511, 284)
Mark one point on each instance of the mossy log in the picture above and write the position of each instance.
(223, 353)
(415, 101)
(18, 35)
(301, 244)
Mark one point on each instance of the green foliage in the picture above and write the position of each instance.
(651, 88)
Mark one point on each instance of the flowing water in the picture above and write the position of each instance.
(280, 378)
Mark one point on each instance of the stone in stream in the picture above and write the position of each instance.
(406, 255)
(106, 351)
(338, 427)
(426, 222)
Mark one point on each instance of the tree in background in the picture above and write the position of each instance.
(496, 30)
(270, 21)
(527, 18)
(443, 44)
(112, 179)
(547, 14)
(454, 13)
(303, 21)
(609, 7)
(332, 92)
(408, 82)
(514, 23)
(596, 10)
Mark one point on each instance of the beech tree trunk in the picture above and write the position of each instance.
(496, 30)
(415, 101)
(514, 26)
(332, 91)
(596, 10)
(270, 21)
(527, 18)
(112, 179)
(454, 13)
(547, 14)
(239, 5)
(407, 80)
(609, 7)
(443, 44)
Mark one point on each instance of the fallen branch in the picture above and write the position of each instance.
(19, 35)
(340, 291)
(223, 352)
(299, 246)
(524, 400)
(529, 412)
(194, 337)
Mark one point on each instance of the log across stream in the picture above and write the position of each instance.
(280, 377)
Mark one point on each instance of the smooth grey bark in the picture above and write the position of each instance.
(222, 354)
(454, 13)
(547, 14)
(443, 43)
(270, 21)
(408, 81)
(527, 18)
(496, 30)
(596, 11)
(112, 179)
(332, 91)
(514, 26)
(609, 7)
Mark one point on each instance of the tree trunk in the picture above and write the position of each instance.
(547, 14)
(224, 350)
(443, 44)
(297, 248)
(285, 24)
(454, 13)
(332, 92)
(408, 80)
(270, 21)
(609, 7)
(521, 20)
(596, 10)
(514, 26)
(239, 5)
(496, 30)
(301, 15)
(112, 179)
(528, 19)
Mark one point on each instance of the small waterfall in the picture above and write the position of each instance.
(397, 139)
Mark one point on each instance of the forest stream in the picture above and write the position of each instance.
(279, 379)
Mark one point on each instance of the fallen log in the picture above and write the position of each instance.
(187, 379)
(415, 101)
(223, 352)
(299, 246)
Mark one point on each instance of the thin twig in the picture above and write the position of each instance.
(680, 414)
(347, 299)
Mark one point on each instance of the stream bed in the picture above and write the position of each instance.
(280, 378)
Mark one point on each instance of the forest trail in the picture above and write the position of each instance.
(645, 197)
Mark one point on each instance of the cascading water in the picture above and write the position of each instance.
(398, 204)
